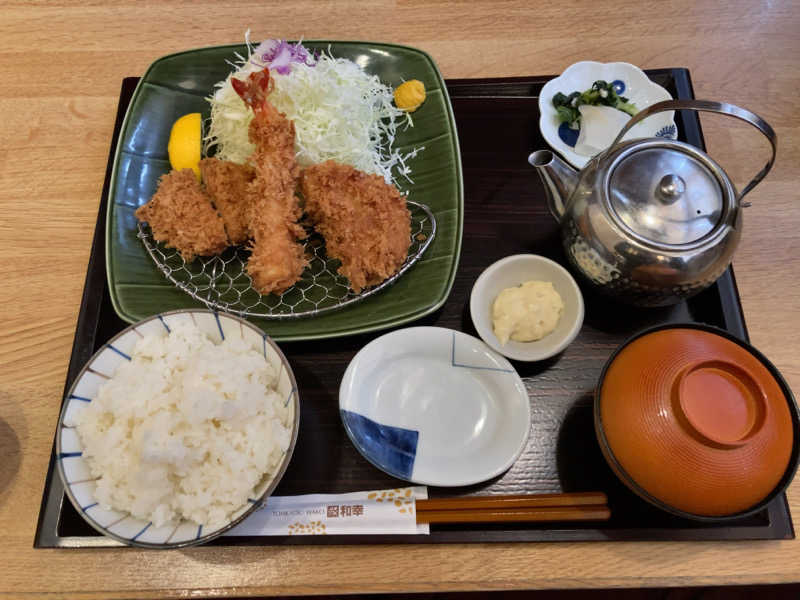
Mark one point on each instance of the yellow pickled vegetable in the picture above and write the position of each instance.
(185, 143)
(409, 95)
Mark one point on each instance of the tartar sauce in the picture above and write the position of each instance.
(527, 312)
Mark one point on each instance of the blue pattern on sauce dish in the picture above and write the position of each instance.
(491, 367)
(391, 449)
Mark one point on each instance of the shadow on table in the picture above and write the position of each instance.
(11, 453)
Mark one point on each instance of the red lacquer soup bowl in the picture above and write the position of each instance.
(697, 422)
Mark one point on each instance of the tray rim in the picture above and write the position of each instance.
(387, 323)
(779, 526)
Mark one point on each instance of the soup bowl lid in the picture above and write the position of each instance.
(696, 422)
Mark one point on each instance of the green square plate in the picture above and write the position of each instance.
(179, 83)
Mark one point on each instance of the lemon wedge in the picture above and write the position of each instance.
(185, 143)
(409, 95)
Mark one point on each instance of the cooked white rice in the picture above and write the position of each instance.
(186, 429)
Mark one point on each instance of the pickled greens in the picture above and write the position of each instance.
(601, 93)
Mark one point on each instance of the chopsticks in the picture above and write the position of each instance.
(582, 506)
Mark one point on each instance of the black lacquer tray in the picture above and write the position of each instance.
(505, 213)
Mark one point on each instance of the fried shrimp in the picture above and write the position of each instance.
(277, 260)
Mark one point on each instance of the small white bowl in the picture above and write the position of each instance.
(512, 271)
(633, 84)
(73, 468)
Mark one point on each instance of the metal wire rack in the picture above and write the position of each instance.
(222, 283)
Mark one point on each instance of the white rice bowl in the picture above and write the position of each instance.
(185, 430)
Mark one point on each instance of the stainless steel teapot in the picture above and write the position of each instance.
(651, 221)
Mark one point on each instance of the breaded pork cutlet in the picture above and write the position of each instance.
(364, 220)
(180, 214)
(226, 182)
(277, 259)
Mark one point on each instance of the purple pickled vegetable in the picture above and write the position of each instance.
(280, 54)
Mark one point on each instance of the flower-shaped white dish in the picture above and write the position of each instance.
(628, 80)
(79, 482)
(512, 271)
(435, 406)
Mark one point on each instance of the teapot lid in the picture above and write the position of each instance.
(668, 192)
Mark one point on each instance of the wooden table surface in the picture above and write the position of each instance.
(61, 66)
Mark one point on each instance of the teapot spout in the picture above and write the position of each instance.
(558, 177)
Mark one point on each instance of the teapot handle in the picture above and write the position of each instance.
(717, 107)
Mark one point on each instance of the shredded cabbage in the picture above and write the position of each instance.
(340, 112)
